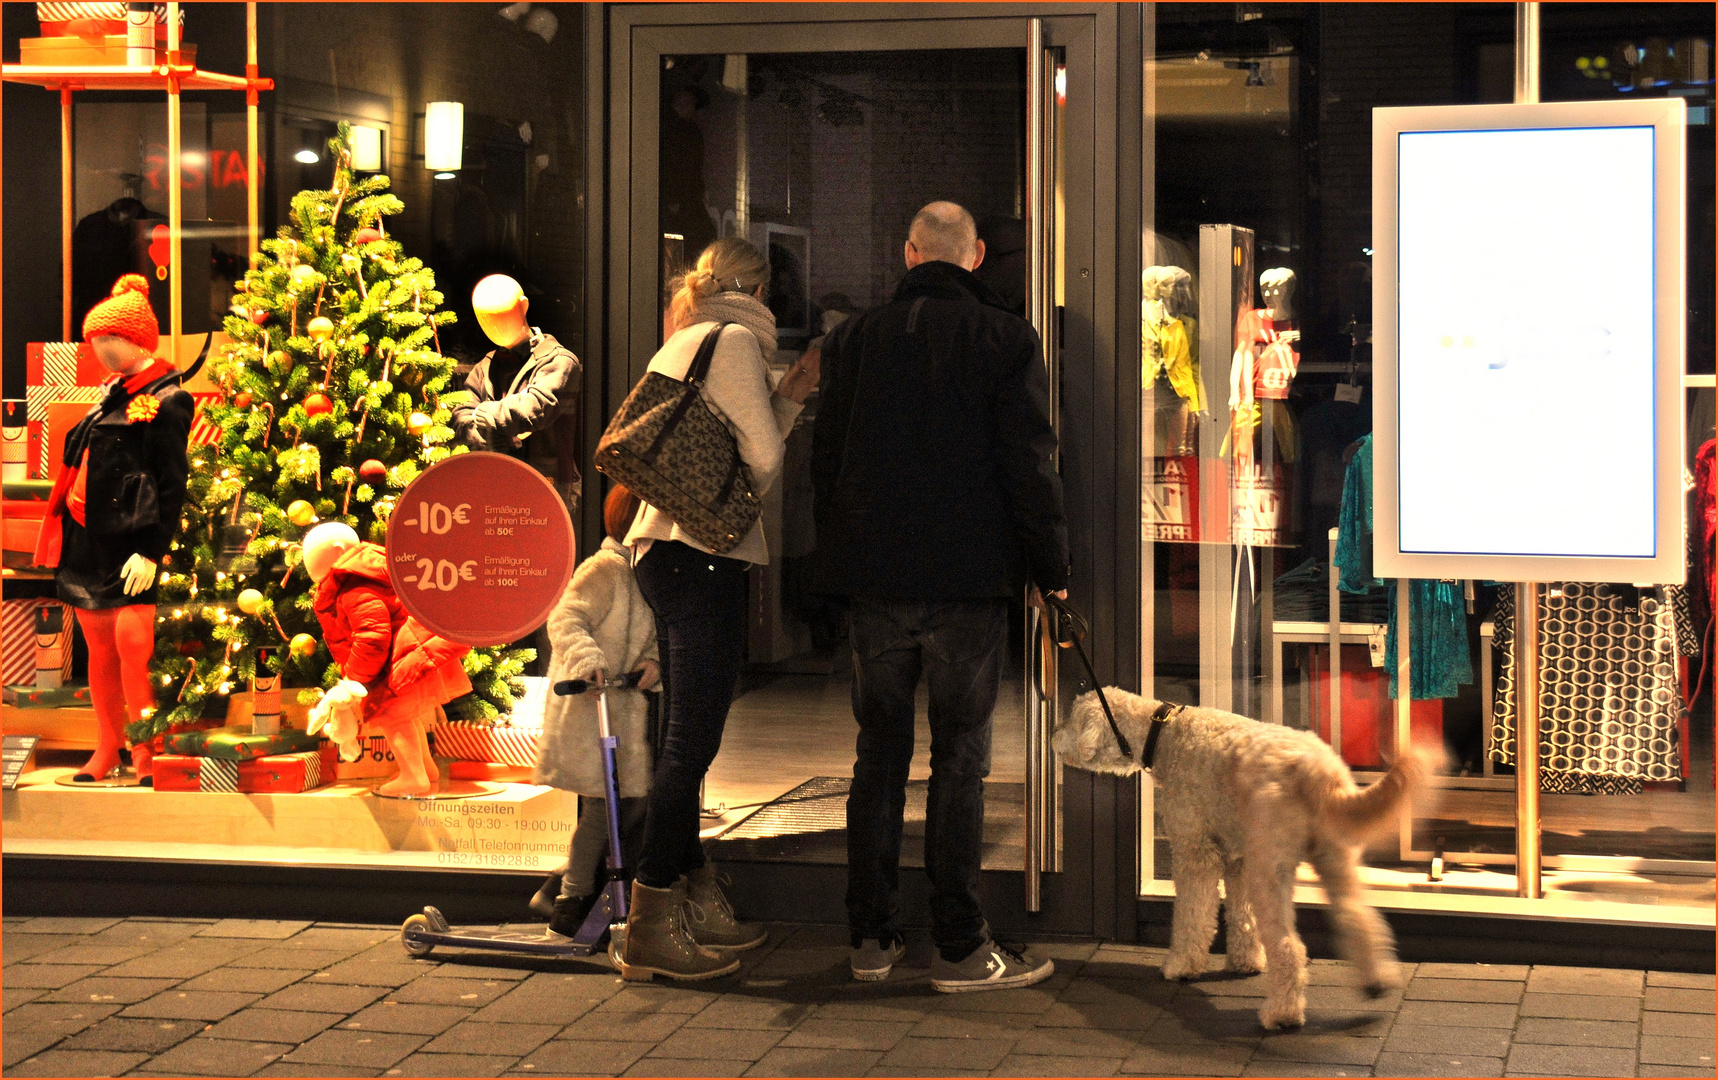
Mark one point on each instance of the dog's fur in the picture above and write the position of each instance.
(1245, 802)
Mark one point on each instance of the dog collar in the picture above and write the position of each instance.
(1163, 714)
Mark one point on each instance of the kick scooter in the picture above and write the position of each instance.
(422, 933)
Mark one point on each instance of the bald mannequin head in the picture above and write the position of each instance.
(500, 306)
(944, 232)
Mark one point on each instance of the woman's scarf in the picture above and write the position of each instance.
(744, 309)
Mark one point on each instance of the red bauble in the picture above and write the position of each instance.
(190, 648)
(317, 404)
(373, 471)
(366, 236)
(259, 316)
(242, 400)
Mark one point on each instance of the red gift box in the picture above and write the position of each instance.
(1368, 713)
(288, 773)
(486, 742)
(489, 770)
(178, 772)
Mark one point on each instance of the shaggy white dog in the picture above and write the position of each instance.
(1245, 802)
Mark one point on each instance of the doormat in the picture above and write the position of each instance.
(809, 825)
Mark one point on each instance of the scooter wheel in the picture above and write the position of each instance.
(409, 940)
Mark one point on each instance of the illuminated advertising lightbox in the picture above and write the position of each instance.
(1528, 307)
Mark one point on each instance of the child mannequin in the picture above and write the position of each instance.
(602, 624)
(394, 671)
(114, 511)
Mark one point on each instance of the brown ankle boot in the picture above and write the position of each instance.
(657, 941)
(711, 918)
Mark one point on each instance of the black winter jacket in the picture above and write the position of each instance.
(932, 456)
(135, 486)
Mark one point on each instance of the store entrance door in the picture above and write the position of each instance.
(818, 141)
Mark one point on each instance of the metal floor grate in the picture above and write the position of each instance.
(808, 824)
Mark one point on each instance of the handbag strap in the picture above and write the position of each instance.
(694, 379)
(706, 352)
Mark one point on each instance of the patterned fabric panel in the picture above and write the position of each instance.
(1608, 695)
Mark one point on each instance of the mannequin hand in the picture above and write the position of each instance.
(338, 714)
(138, 574)
(651, 674)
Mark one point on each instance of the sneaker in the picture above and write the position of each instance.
(991, 966)
(872, 959)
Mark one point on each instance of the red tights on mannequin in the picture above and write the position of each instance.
(121, 641)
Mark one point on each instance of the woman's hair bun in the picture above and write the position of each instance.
(701, 281)
(136, 283)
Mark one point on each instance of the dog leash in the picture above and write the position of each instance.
(1070, 628)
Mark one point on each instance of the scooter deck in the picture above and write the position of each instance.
(421, 933)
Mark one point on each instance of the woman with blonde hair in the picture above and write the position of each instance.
(680, 924)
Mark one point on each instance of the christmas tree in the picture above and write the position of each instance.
(334, 402)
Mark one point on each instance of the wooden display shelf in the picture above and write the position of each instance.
(151, 77)
(60, 729)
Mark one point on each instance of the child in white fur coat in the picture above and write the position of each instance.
(602, 624)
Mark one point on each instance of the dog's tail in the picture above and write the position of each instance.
(1355, 815)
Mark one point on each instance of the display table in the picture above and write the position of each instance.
(522, 827)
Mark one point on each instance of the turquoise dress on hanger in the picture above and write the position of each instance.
(1438, 648)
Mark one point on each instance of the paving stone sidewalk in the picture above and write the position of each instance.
(187, 997)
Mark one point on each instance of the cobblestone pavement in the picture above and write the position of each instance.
(141, 997)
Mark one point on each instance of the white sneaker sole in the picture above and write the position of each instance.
(876, 974)
(969, 986)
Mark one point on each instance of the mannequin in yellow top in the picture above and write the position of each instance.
(1171, 354)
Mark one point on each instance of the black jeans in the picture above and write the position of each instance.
(958, 646)
(700, 606)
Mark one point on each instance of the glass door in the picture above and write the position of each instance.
(818, 143)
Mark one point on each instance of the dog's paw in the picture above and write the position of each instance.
(1283, 1015)
(1246, 962)
(1182, 967)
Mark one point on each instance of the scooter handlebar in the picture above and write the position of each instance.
(571, 687)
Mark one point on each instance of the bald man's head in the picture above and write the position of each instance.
(944, 232)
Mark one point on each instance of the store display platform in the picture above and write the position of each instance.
(516, 827)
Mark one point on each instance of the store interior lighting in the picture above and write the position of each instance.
(306, 156)
(366, 148)
(444, 136)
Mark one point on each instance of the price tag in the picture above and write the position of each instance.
(480, 548)
(15, 751)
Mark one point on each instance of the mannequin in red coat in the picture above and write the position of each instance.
(394, 671)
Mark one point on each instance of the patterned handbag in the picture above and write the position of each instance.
(669, 449)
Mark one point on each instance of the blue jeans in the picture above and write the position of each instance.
(957, 645)
(700, 606)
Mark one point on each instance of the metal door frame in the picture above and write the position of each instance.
(1094, 893)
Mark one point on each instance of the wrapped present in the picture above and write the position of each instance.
(181, 772)
(239, 744)
(18, 644)
(31, 696)
(62, 363)
(489, 770)
(159, 743)
(376, 759)
(288, 773)
(470, 741)
(17, 441)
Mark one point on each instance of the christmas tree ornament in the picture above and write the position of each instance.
(418, 423)
(250, 601)
(190, 648)
(240, 311)
(259, 316)
(320, 328)
(373, 471)
(366, 236)
(317, 404)
(242, 400)
(281, 360)
(300, 513)
(303, 646)
(302, 277)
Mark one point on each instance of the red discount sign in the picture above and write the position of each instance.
(480, 548)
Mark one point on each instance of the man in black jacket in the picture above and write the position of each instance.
(936, 502)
